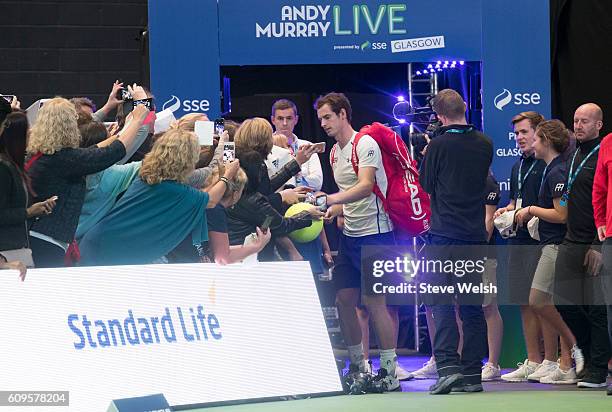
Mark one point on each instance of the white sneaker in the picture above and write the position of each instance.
(578, 358)
(402, 374)
(490, 372)
(560, 377)
(428, 371)
(544, 369)
(520, 375)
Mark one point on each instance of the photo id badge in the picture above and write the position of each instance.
(519, 203)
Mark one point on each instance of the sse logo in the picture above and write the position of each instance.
(374, 46)
(174, 104)
(519, 99)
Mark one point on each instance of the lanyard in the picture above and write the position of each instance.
(543, 177)
(521, 181)
(459, 131)
(572, 177)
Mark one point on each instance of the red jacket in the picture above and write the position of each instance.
(602, 187)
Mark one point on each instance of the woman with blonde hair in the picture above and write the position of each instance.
(187, 122)
(218, 248)
(209, 156)
(256, 135)
(159, 209)
(58, 166)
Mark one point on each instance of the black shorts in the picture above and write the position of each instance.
(347, 268)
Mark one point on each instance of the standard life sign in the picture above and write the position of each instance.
(118, 332)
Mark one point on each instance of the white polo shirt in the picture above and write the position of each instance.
(311, 174)
(366, 216)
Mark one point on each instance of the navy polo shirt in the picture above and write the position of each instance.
(553, 187)
(530, 187)
(216, 218)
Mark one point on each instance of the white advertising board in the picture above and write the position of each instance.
(197, 333)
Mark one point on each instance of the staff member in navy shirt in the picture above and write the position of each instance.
(454, 172)
(524, 251)
(552, 138)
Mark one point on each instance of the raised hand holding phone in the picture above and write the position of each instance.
(137, 92)
(231, 169)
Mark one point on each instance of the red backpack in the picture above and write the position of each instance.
(406, 203)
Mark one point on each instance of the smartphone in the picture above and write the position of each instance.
(266, 224)
(321, 202)
(145, 102)
(229, 152)
(319, 147)
(219, 126)
(8, 97)
(205, 130)
(124, 94)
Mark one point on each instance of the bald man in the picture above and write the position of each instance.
(578, 292)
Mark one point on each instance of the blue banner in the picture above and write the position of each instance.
(184, 55)
(516, 73)
(320, 32)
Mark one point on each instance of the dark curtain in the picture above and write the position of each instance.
(581, 52)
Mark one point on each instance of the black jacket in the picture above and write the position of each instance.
(268, 186)
(62, 174)
(454, 172)
(251, 211)
(580, 221)
(13, 204)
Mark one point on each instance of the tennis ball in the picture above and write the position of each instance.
(309, 233)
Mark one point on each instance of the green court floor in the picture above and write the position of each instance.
(519, 401)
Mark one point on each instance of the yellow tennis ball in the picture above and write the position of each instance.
(309, 233)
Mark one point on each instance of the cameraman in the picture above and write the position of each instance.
(454, 172)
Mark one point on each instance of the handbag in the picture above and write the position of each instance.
(24, 255)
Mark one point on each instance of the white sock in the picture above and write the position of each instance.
(356, 356)
(388, 360)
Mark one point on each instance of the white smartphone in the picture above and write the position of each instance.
(205, 129)
(319, 147)
(229, 152)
